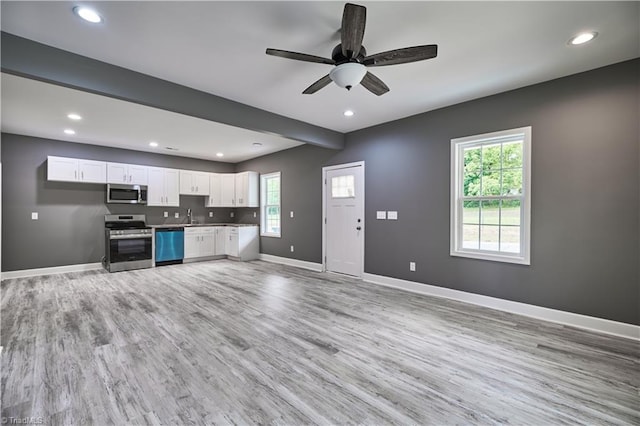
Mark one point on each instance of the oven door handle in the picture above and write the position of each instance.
(129, 237)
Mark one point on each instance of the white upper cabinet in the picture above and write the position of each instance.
(234, 190)
(163, 189)
(222, 190)
(247, 189)
(194, 183)
(228, 191)
(215, 191)
(127, 173)
(76, 170)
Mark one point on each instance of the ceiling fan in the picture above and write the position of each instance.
(350, 57)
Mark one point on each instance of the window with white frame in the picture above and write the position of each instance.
(491, 196)
(270, 205)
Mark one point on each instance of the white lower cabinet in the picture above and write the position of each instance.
(220, 248)
(199, 242)
(243, 242)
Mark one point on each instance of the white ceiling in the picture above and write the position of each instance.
(40, 109)
(219, 47)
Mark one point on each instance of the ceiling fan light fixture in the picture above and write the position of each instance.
(348, 74)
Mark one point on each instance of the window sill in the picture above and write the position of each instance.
(520, 260)
(270, 235)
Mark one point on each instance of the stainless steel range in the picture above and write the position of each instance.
(128, 242)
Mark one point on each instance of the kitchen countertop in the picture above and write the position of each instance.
(195, 225)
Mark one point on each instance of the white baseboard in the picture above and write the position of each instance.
(600, 325)
(292, 262)
(52, 270)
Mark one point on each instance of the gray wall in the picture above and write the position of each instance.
(301, 192)
(585, 194)
(70, 228)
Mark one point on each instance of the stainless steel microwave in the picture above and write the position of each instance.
(126, 194)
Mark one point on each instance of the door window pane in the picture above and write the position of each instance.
(343, 187)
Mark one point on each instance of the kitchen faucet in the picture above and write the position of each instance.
(189, 217)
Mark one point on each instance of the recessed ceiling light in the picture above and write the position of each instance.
(87, 14)
(74, 116)
(348, 113)
(219, 154)
(582, 38)
(153, 144)
(70, 131)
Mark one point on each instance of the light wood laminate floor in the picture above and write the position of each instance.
(226, 342)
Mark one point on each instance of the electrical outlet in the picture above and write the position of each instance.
(210, 214)
(412, 266)
(176, 215)
(166, 214)
(291, 214)
(291, 249)
(34, 215)
(232, 214)
(255, 214)
(392, 215)
(381, 215)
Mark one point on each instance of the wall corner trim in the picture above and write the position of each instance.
(595, 324)
(23, 273)
(291, 262)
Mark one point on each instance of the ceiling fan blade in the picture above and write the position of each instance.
(402, 56)
(324, 81)
(300, 56)
(374, 84)
(354, 19)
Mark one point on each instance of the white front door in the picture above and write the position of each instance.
(344, 229)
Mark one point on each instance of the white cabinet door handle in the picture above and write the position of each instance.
(82, 173)
(75, 174)
(124, 178)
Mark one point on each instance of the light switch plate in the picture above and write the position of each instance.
(176, 215)
(412, 266)
(381, 215)
(210, 214)
(291, 214)
(392, 215)
(166, 214)
(291, 249)
(34, 215)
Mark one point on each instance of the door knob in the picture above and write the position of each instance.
(358, 228)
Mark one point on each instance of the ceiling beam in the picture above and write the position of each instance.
(27, 58)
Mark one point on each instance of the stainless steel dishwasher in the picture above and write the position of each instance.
(169, 245)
